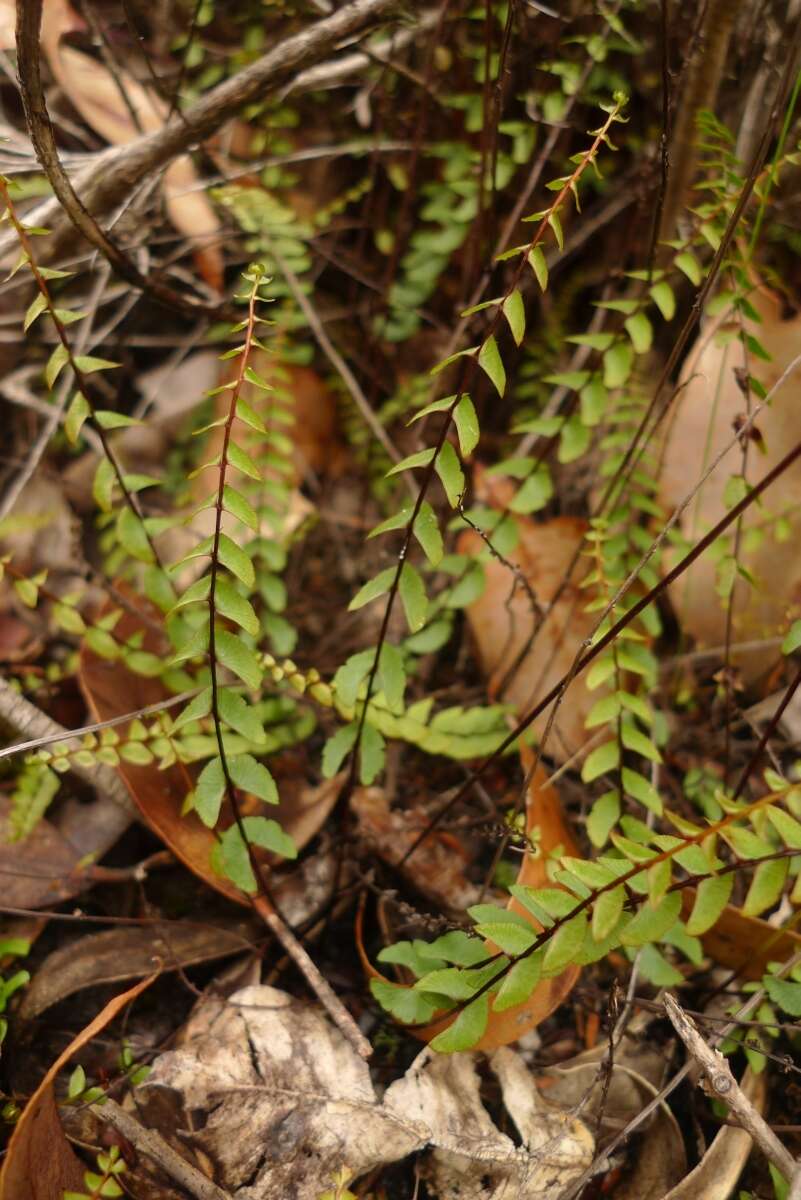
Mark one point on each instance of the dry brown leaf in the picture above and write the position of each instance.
(741, 943)
(42, 533)
(39, 1162)
(615, 1097)
(47, 867)
(111, 689)
(545, 823)
(502, 623)
(436, 870)
(95, 93)
(128, 953)
(702, 423)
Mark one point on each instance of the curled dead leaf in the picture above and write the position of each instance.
(286, 1103)
(545, 825)
(128, 953)
(39, 1163)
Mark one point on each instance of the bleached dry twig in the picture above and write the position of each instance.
(724, 1086)
(153, 1146)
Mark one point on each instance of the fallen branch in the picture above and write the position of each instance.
(114, 174)
(724, 1086)
(153, 1146)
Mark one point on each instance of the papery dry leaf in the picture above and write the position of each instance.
(705, 411)
(286, 1102)
(39, 1163)
(502, 622)
(95, 93)
(129, 953)
(45, 868)
(42, 532)
(472, 1159)
(288, 1099)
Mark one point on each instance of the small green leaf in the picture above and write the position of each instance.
(788, 829)
(132, 536)
(562, 948)
(413, 597)
(766, 887)
(450, 473)
(688, 264)
(241, 461)
(649, 923)
(253, 777)
(235, 503)
(638, 327)
(466, 1030)
(426, 530)
(229, 603)
(374, 588)
(466, 421)
(607, 911)
(103, 486)
(519, 982)
(35, 308)
(535, 493)
(792, 639)
(106, 418)
(371, 754)
(239, 658)
(392, 676)
(599, 761)
(513, 939)
(536, 260)
(88, 364)
(236, 560)
(785, 994)
(574, 440)
(489, 360)
(618, 361)
(55, 363)
(556, 226)
(515, 313)
(209, 791)
(664, 299)
(711, 897)
(420, 459)
(337, 747)
(242, 717)
(406, 1005)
